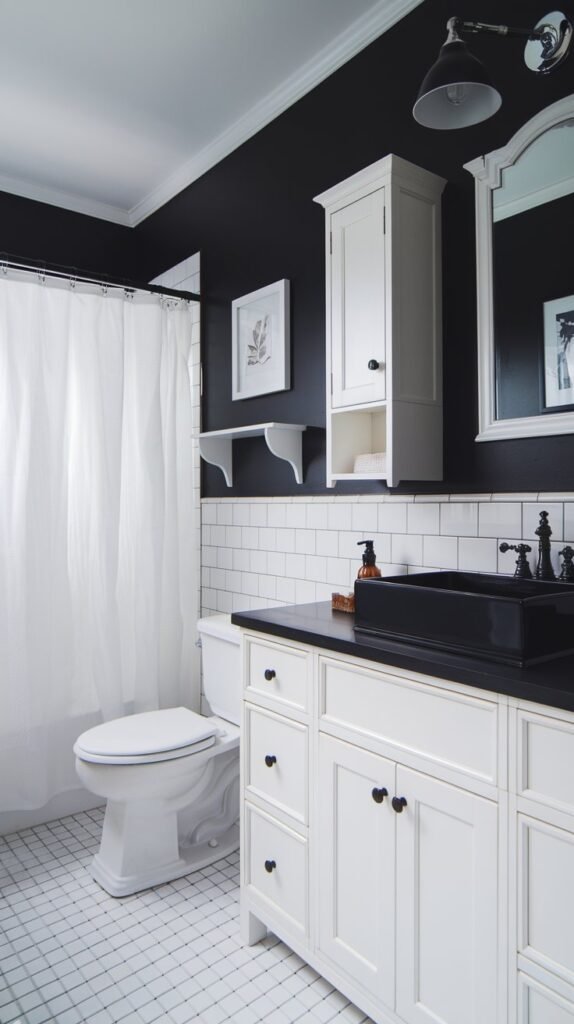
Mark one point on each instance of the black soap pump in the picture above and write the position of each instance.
(368, 568)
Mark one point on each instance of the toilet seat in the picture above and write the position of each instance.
(147, 737)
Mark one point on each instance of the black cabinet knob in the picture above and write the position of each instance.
(379, 795)
(270, 865)
(269, 674)
(373, 364)
(270, 760)
(398, 803)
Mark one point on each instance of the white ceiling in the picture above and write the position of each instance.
(112, 107)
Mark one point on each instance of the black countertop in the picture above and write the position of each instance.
(551, 682)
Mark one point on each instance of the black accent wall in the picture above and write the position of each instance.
(254, 220)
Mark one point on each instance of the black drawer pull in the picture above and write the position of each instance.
(373, 364)
(379, 795)
(269, 674)
(398, 803)
(270, 760)
(269, 866)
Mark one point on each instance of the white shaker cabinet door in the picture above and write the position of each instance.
(356, 858)
(447, 906)
(358, 301)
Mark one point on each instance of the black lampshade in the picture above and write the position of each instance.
(457, 90)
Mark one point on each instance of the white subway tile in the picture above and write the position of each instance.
(224, 558)
(295, 565)
(407, 549)
(339, 572)
(339, 516)
(364, 519)
(392, 517)
(285, 540)
(423, 518)
(500, 519)
(531, 518)
(305, 542)
(249, 537)
(317, 516)
(218, 578)
(250, 583)
(241, 559)
(224, 513)
(257, 561)
(304, 591)
(208, 598)
(569, 522)
(224, 601)
(514, 496)
(276, 563)
(285, 591)
(295, 515)
(218, 535)
(421, 498)
(233, 581)
(276, 514)
(209, 555)
(241, 514)
(267, 538)
(440, 552)
(478, 554)
(471, 497)
(206, 576)
(323, 592)
(233, 536)
(327, 542)
(316, 568)
(257, 514)
(459, 519)
(268, 586)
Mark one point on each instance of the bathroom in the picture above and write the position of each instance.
(246, 220)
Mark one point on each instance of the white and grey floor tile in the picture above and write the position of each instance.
(71, 954)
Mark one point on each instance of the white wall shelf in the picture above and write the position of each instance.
(284, 440)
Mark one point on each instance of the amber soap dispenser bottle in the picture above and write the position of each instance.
(369, 567)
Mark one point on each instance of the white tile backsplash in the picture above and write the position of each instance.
(275, 551)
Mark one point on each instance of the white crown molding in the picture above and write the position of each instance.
(64, 200)
(365, 30)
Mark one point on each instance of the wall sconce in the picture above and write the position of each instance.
(458, 91)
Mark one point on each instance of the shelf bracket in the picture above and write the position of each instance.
(284, 440)
(287, 444)
(218, 452)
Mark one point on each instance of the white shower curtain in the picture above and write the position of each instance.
(98, 574)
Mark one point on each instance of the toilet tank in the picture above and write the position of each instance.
(221, 666)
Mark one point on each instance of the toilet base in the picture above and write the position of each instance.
(194, 858)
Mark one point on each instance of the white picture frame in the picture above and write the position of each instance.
(260, 343)
(559, 352)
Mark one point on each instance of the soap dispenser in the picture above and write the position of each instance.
(368, 568)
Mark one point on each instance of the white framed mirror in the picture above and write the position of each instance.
(525, 279)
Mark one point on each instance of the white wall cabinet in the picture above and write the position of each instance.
(453, 907)
(383, 322)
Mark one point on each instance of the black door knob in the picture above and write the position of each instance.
(373, 364)
(270, 760)
(270, 865)
(269, 674)
(398, 803)
(379, 795)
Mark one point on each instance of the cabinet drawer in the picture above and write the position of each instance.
(450, 728)
(277, 761)
(546, 760)
(276, 867)
(278, 673)
(546, 896)
(539, 1005)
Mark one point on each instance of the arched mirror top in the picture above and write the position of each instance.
(526, 305)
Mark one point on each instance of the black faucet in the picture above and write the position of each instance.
(544, 570)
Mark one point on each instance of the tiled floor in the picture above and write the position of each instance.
(71, 954)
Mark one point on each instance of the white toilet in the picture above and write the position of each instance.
(170, 777)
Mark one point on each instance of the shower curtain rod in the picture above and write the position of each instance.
(44, 269)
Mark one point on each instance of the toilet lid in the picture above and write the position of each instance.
(171, 732)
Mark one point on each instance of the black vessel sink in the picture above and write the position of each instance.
(497, 617)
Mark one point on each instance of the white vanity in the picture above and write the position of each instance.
(410, 836)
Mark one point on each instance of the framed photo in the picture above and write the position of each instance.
(559, 351)
(260, 342)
